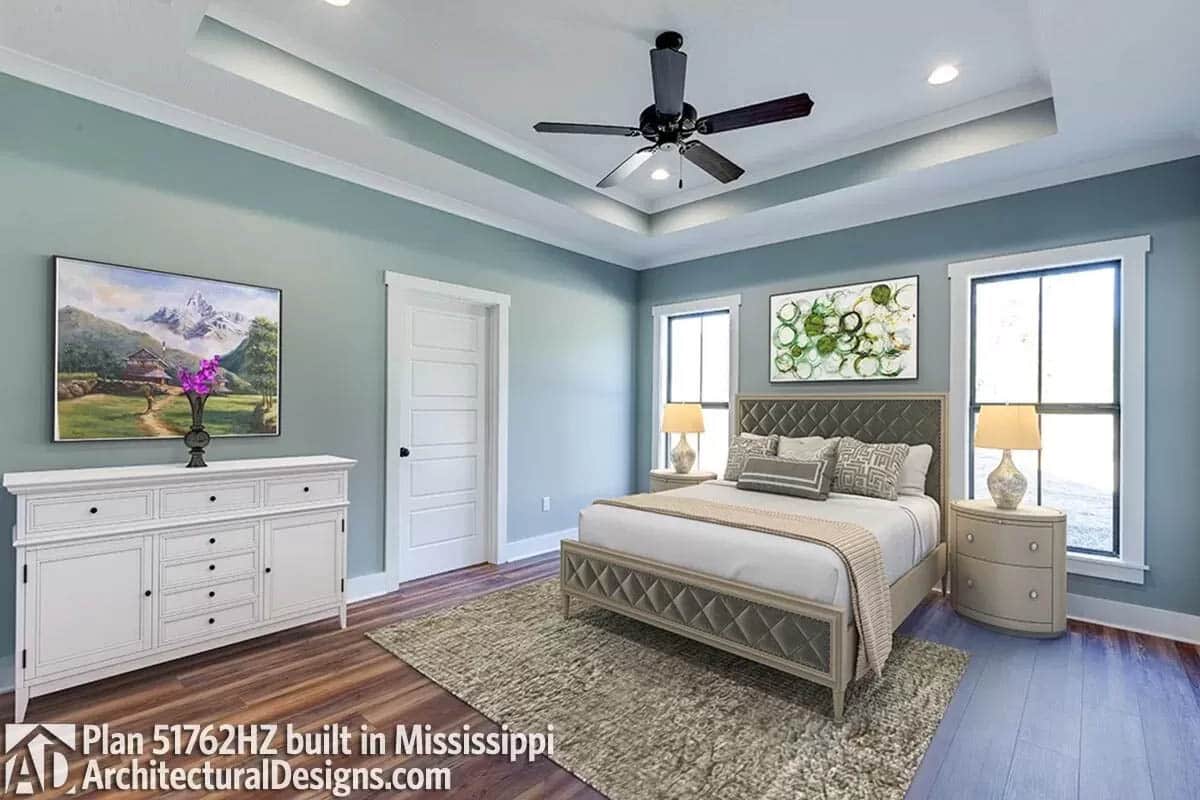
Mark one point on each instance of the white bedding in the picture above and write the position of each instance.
(907, 529)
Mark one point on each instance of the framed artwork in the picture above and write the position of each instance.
(121, 334)
(858, 332)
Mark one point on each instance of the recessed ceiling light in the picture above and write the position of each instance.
(943, 74)
(338, 3)
(660, 174)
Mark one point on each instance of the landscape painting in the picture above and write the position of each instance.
(859, 332)
(122, 334)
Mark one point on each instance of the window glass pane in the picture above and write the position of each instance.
(714, 442)
(1077, 476)
(986, 460)
(715, 375)
(1078, 315)
(685, 360)
(1006, 341)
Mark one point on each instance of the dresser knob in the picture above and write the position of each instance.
(1033, 546)
(1033, 595)
(93, 510)
(970, 583)
(268, 569)
(147, 593)
(211, 620)
(212, 594)
(212, 540)
(211, 567)
(970, 537)
(306, 488)
(212, 498)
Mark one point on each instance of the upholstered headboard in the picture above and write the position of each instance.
(907, 418)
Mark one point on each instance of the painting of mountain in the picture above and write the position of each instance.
(123, 333)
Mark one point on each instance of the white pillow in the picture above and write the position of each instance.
(801, 448)
(912, 474)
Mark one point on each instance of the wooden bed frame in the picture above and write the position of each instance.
(815, 641)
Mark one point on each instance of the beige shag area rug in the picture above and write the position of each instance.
(641, 713)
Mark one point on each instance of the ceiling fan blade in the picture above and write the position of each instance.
(574, 127)
(712, 162)
(797, 105)
(627, 167)
(668, 69)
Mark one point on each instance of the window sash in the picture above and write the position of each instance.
(1112, 409)
(668, 384)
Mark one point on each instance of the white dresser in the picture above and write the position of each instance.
(122, 567)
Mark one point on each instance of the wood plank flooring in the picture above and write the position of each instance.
(1099, 713)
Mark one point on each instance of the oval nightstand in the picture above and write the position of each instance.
(663, 479)
(1009, 568)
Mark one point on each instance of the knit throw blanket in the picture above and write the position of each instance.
(857, 547)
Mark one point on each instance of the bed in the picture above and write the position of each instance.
(777, 601)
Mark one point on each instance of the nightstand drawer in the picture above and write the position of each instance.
(1005, 543)
(1018, 593)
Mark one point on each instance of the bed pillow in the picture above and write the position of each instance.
(808, 479)
(804, 448)
(742, 447)
(870, 470)
(916, 465)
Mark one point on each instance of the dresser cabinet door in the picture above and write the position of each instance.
(303, 563)
(86, 604)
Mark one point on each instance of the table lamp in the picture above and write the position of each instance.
(1007, 428)
(683, 418)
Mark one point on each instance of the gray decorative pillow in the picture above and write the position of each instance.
(871, 470)
(742, 447)
(808, 479)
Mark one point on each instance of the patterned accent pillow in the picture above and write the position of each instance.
(871, 470)
(742, 447)
(808, 479)
(809, 448)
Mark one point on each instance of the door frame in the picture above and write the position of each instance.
(495, 492)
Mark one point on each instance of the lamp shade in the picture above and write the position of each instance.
(682, 418)
(1008, 428)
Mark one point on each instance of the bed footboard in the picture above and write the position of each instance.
(810, 640)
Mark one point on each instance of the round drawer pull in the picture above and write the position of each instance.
(306, 488)
(212, 594)
(970, 583)
(970, 537)
(268, 569)
(147, 593)
(93, 510)
(1033, 595)
(212, 498)
(211, 620)
(211, 567)
(212, 540)
(1033, 547)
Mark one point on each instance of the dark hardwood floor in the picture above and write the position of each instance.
(1099, 713)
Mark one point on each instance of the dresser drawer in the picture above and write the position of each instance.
(1006, 543)
(298, 491)
(1018, 593)
(204, 597)
(216, 498)
(202, 541)
(207, 571)
(84, 510)
(207, 623)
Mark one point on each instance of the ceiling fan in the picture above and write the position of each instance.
(670, 122)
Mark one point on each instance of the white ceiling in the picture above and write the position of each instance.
(1122, 76)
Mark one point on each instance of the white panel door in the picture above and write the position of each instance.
(303, 569)
(443, 361)
(87, 604)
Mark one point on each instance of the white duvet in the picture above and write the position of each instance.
(907, 530)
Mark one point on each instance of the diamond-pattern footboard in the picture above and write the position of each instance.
(804, 639)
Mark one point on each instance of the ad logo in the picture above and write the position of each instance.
(36, 757)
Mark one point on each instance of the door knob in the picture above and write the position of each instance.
(404, 452)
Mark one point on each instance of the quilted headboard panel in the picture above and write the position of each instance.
(908, 418)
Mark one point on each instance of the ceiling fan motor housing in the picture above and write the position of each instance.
(660, 129)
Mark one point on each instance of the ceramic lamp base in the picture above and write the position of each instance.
(1006, 483)
(683, 457)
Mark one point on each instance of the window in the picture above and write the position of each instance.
(1050, 338)
(1062, 330)
(696, 343)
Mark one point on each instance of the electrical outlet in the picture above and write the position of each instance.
(545, 504)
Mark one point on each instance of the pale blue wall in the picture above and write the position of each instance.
(1163, 201)
(83, 180)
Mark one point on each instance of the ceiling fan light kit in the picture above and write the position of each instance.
(670, 122)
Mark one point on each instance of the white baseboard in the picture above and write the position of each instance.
(537, 545)
(1130, 617)
(364, 587)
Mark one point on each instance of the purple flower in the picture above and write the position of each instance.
(201, 381)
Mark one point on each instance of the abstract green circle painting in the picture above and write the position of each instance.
(864, 331)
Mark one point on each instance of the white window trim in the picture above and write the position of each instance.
(1131, 252)
(731, 303)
